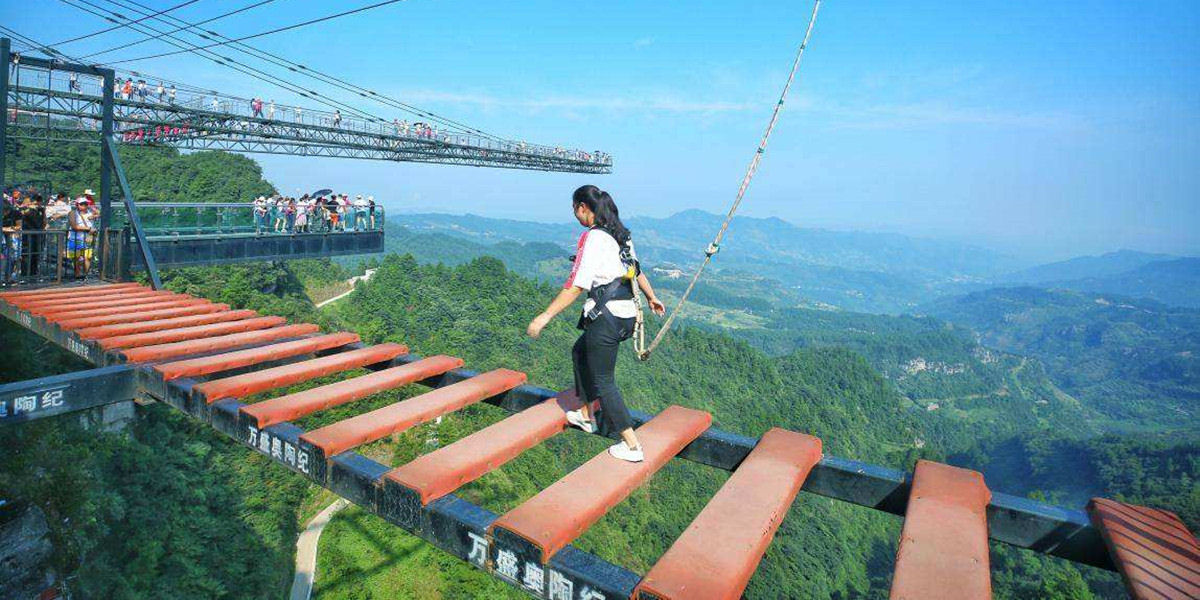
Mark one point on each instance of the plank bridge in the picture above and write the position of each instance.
(207, 359)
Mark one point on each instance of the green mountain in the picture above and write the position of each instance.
(1084, 267)
(1175, 282)
(170, 509)
(872, 272)
(155, 174)
(1134, 361)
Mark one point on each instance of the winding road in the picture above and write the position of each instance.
(352, 281)
(306, 551)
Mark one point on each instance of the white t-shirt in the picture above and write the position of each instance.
(597, 263)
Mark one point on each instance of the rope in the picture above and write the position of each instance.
(644, 352)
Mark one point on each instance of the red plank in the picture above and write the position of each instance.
(446, 469)
(67, 290)
(1154, 551)
(107, 331)
(153, 304)
(253, 356)
(147, 315)
(294, 406)
(719, 552)
(398, 417)
(944, 544)
(563, 511)
(167, 336)
(97, 300)
(246, 384)
(223, 342)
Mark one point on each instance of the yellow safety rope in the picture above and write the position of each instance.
(639, 342)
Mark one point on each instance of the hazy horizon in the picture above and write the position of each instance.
(1041, 131)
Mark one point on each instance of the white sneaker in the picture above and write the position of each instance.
(575, 418)
(623, 452)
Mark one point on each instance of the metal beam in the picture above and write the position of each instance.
(146, 252)
(233, 248)
(5, 59)
(56, 395)
(1044, 528)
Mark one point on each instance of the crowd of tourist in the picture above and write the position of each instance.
(314, 213)
(25, 247)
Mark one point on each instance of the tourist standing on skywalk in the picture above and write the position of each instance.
(605, 268)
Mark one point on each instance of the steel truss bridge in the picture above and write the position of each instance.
(49, 104)
(208, 361)
(44, 99)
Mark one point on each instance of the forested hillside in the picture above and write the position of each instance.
(155, 174)
(169, 509)
(870, 272)
(1135, 361)
(478, 311)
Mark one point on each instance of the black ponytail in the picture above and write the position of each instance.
(601, 204)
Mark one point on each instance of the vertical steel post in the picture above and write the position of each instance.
(106, 166)
(109, 148)
(5, 60)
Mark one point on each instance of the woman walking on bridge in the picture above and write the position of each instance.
(605, 268)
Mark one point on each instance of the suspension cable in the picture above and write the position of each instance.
(122, 25)
(315, 74)
(644, 352)
(238, 66)
(264, 33)
(152, 38)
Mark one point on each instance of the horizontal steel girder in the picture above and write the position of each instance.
(57, 395)
(212, 130)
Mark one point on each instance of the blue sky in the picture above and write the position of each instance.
(1042, 129)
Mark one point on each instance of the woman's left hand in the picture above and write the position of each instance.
(537, 325)
(658, 307)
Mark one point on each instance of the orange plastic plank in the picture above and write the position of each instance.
(740, 521)
(252, 356)
(246, 384)
(448, 468)
(943, 549)
(95, 300)
(222, 342)
(294, 406)
(107, 331)
(68, 290)
(398, 417)
(167, 336)
(153, 304)
(563, 511)
(148, 315)
(1154, 551)
(81, 305)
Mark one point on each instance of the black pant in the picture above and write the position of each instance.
(594, 357)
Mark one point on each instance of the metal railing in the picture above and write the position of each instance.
(145, 95)
(161, 219)
(43, 256)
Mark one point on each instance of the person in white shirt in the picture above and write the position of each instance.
(360, 213)
(605, 268)
(260, 214)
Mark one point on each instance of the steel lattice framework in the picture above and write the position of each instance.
(44, 105)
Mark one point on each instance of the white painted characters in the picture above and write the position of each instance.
(479, 548)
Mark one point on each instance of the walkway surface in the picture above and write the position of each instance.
(353, 281)
(306, 551)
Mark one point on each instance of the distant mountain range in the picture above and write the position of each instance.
(856, 271)
(871, 272)
(1161, 277)
(1083, 267)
